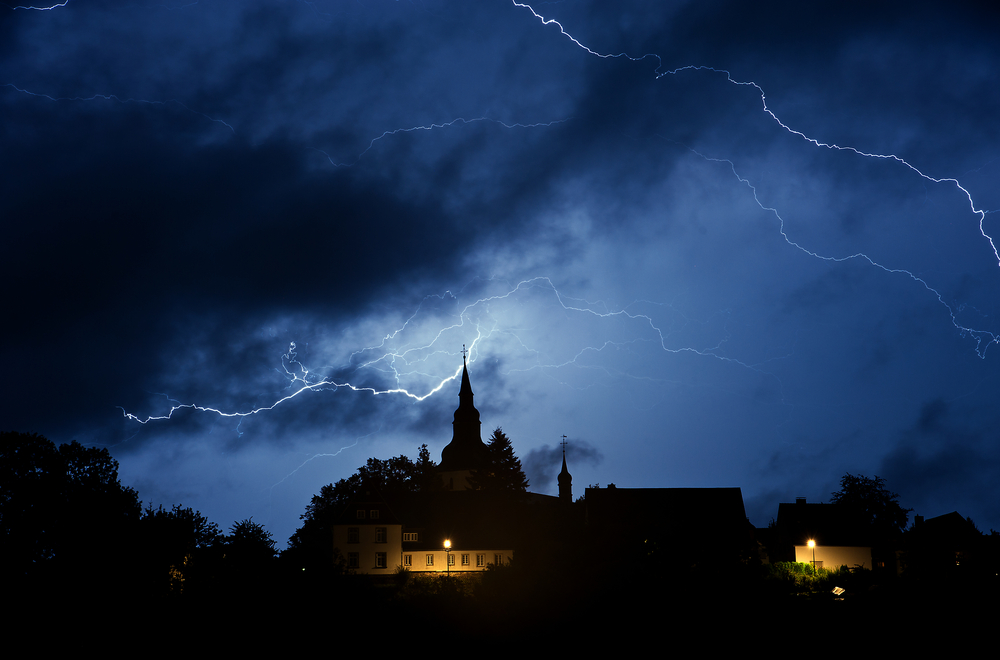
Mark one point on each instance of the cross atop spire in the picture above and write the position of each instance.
(565, 479)
(466, 450)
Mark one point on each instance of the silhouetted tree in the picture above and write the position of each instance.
(427, 477)
(173, 544)
(63, 510)
(30, 479)
(311, 544)
(873, 503)
(503, 473)
(249, 544)
(878, 508)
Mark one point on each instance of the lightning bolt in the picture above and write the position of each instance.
(431, 127)
(400, 363)
(301, 379)
(113, 97)
(48, 8)
(979, 335)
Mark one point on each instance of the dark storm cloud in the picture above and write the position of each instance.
(372, 181)
(542, 464)
(947, 461)
(139, 243)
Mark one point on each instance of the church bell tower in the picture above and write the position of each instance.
(466, 451)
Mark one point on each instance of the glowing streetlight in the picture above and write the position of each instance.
(812, 544)
(447, 557)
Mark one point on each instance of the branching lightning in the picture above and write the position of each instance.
(301, 379)
(48, 8)
(430, 127)
(112, 97)
(979, 335)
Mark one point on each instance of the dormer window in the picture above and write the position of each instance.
(361, 514)
(374, 514)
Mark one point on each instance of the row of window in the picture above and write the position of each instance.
(373, 514)
(354, 560)
(354, 535)
(480, 560)
(381, 535)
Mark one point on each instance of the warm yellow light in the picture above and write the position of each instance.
(447, 544)
(812, 544)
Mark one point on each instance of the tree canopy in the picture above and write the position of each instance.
(503, 473)
(61, 506)
(249, 543)
(391, 478)
(872, 502)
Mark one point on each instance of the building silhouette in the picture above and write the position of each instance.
(376, 536)
(659, 525)
(466, 452)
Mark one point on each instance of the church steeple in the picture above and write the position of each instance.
(565, 479)
(466, 451)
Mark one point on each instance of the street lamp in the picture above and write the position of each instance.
(447, 557)
(812, 544)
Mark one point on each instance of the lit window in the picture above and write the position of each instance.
(374, 514)
(380, 535)
(430, 560)
(409, 536)
(380, 560)
(480, 561)
(465, 559)
(451, 559)
(352, 560)
(353, 535)
(361, 514)
(407, 560)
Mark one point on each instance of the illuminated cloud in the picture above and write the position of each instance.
(634, 250)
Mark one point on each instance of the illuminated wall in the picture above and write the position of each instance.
(464, 561)
(370, 547)
(835, 556)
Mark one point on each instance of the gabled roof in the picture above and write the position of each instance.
(372, 502)
(827, 524)
(711, 511)
(467, 518)
(950, 530)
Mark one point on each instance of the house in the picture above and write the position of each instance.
(372, 538)
(687, 527)
(369, 536)
(839, 537)
(946, 547)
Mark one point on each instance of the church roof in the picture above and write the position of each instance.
(466, 450)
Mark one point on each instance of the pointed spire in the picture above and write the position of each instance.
(466, 450)
(466, 389)
(565, 479)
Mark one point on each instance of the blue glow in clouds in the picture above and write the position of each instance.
(718, 248)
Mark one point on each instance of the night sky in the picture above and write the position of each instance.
(712, 243)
